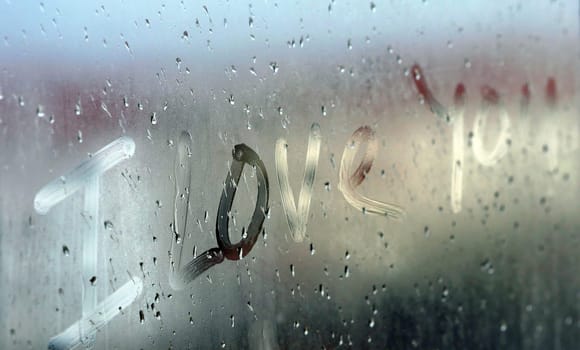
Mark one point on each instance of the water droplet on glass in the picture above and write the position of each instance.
(373, 7)
(239, 155)
(65, 250)
(292, 272)
(93, 280)
(323, 110)
(80, 136)
(416, 74)
(40, 111)
(78, 109)
(108, 225)
(274, 67)
(285, 121)
(154, 118)
(141, 316)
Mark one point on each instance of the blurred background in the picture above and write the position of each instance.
(498, 271)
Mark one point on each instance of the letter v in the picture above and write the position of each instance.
(298, 217)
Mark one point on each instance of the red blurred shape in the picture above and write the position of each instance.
(459, 96)
(551, 91)
(489, 94)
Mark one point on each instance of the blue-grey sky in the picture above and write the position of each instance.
(84, 28)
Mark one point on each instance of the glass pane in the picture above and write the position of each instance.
(273, 175)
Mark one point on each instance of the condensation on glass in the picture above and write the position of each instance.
(289, 175)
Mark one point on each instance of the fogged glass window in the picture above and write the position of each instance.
(289, 175)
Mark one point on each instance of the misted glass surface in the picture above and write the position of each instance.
(289, 175)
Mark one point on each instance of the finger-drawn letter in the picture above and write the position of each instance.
(458, 150)
(484, 157)
(86, 175)
(298, 217)
(347, 182)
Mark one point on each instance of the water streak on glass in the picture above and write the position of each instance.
(182, 178)
(423, 89)
(90, 241)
